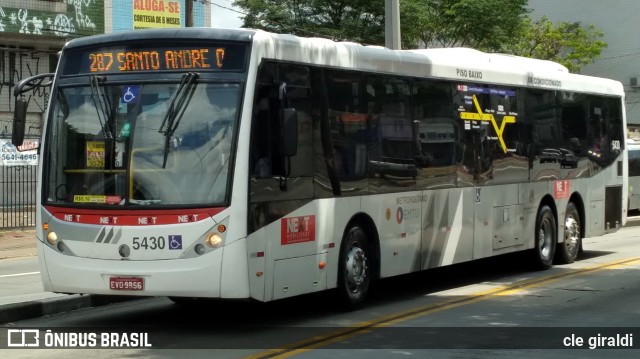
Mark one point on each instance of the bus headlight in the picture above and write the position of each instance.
(213, 240)
(52, 238)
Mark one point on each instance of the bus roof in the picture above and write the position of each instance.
(463, 64)
(190, 33)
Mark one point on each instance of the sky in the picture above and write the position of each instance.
(222, 16)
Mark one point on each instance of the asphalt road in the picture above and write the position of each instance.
(20, 281)
(485, 309)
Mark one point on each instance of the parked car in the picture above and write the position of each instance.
(550, 155)
(568, 159)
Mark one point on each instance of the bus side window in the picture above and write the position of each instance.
(347, 121)
(433, 110)
(436, 133)
(261, 154)
(393, 145)
(266, 160)
(574, 120)
(607, 135)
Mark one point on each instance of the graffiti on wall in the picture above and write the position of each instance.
(16, 65)
(81, 18)
(68, 19)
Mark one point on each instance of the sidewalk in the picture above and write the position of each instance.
(16, 244)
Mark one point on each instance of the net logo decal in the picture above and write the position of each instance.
(297, 230)
(562, 189)
(488, 117)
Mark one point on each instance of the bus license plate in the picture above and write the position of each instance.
(128, 283)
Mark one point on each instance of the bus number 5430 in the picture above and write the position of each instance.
(149, 243)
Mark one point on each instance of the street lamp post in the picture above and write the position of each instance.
(392, 24)
(188, 13)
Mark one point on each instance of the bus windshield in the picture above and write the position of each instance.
(151, 144)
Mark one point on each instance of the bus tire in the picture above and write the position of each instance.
(354, 268)
(546, 233)
(567, 251)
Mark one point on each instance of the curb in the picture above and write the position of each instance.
(633, 221)
(49, 306)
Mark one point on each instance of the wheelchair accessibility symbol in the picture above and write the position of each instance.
(130, 94)
(175, 242)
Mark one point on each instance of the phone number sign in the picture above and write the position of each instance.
(27, 154)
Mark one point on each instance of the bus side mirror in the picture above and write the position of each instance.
(19, 122)
(289, 128)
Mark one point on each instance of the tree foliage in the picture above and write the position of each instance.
(480, 24)
(487, 25)
(353, 20)
(570, 44)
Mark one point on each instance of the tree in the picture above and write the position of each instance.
(353, 20)
(481, 24)
(487, 25)
(570, 44)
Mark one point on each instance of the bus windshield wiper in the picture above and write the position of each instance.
(177, 106)
(102, 103)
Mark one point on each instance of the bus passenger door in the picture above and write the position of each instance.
(281, 208)
(447, 211)
(447, 228)
(494, 163)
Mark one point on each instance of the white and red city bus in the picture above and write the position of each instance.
(633, 153)
(245, 164)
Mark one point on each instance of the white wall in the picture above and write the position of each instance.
(620, 22)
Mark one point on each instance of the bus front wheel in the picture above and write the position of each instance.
(354, 269)
(545, 238)
(568, 250)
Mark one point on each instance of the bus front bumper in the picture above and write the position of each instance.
(192, 277)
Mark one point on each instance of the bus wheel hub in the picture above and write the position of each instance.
(356, 268)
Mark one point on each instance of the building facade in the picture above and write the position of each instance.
(619, 20)
(33, 31)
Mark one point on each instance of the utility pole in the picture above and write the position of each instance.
(392, 24)
(188, 4)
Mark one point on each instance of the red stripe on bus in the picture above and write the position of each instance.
(132, 217)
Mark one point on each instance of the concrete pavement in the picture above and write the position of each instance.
(19, 271)
(17, 243)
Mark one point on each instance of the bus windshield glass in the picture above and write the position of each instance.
(151, 144)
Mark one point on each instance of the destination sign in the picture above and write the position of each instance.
(156, 58)
(177, 59)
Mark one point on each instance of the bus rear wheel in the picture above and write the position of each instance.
(354, 269)
(545, 238)
(567, 251)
